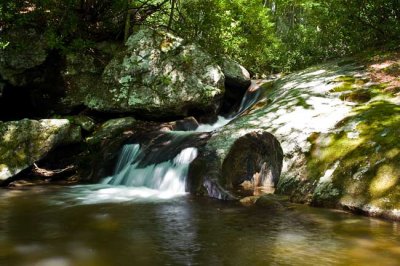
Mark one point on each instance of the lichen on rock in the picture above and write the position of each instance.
(156, 74)
(27, 141)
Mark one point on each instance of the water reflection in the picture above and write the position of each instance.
(178, 233)
(57, 227)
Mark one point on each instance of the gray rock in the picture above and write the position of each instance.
(224, 163)
(27, 141)
(27, 49)
(82, 73)
(85, 122)
(337, 152)
(236, 76)
(156, 74)
(111, 129)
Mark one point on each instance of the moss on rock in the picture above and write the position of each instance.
(26, 141)
(156, 74)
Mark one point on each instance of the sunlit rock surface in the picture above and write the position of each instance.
(26, 141)
(156, 74)
(235, 74)
(339, 150)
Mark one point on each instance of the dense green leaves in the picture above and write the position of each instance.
(264, 35)
(240, 29)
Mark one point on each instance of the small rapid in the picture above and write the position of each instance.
(166, 179)
(249, 99)
(161, 172)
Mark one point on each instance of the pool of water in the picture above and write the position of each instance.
(97, 225)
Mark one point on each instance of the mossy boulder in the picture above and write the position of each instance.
(82, 72)
(156, 75)
(111, 129)
(85, 122)
(358, 165)
(25, 142)
(27, 49)
(339, 131)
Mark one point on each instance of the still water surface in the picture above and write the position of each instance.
(97, 225)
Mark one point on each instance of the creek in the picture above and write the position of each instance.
(142, 215)
(104, 225)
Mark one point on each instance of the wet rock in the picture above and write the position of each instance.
(339, 134)
(266, 202)
(237, 81)
(103, 147)
(227, 162)
(249, 201)
(111, 129)
(186, 124)
(27, 141)
(155, 75)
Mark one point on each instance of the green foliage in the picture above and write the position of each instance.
(3, 45)
(240, 29)
(263, 35)
(312, 31)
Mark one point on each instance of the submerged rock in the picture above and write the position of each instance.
(25, 142)
(156, 75)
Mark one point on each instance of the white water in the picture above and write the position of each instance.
(248, 100)
(162, 180)
(222, 121)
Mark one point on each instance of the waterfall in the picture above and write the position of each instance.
(168, 177)
(161, 169)
(250, 98)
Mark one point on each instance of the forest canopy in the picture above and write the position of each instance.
(263, 35)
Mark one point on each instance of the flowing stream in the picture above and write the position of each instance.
(141, 215)
(167, 177)
(67, 226)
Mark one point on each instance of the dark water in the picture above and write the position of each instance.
(100, 226)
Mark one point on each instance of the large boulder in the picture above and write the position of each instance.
(237, 81)
(82, 72)
(339, 129)
(226, 163)
(25, 142)
(236, 76)
(156, 75)
(26, 50)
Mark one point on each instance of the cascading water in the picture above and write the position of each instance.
(168, 176)
(158, 173)
(248, 100)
